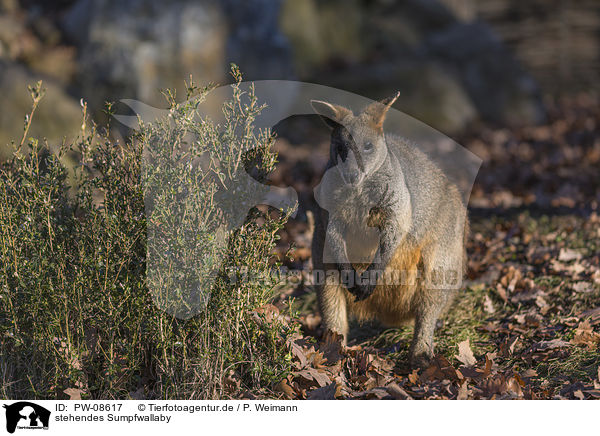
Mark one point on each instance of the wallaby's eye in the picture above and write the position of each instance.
(368, 146)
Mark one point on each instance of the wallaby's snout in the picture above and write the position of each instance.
(349, 164)
(353, 177)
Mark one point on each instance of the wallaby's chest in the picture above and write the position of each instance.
(361, 239)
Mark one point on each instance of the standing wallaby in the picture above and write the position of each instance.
(389, 238)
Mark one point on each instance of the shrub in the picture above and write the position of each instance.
(76, 302)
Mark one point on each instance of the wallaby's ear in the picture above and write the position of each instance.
(377, 111)
(331, 114)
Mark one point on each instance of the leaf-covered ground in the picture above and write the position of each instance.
(526, 323)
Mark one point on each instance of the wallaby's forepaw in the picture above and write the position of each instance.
(362, 291)
(359, 285)
(380, 214)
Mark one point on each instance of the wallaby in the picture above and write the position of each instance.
(390, 226)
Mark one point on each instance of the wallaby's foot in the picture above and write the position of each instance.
(331, 337)
(421, 360)
(421, 350)
(332, 305)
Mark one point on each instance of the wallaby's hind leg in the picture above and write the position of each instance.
(421, 349)
(427, 312)
(332, 304)
(440, 284)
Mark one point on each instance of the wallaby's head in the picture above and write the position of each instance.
(358, 147)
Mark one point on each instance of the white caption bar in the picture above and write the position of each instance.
(295, 417)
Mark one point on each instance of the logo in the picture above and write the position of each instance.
(221, 166)
(26, 415)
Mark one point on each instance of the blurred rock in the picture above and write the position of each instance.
(9, 5)
(136, 48)
(255, 42)
(556, 41)
(450, 72)
(58, 116)
(496, 83)
(36, 43)
(316, 35)
(451, 69)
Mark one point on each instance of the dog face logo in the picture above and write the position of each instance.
(26, 415)
(180, 279)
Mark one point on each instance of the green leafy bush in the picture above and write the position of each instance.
(76, 308)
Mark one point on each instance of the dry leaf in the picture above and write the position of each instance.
(324, 393)
(514, 387)
(440, 369)
(472, 373)
(313, 374)
(463, 391)
(331, 349)
(550, 345)
(568, 254)
(585, 335)
(374, 394)
(413, 377)
(284, 387)
(298, 351)
(73, 393)
(583, 287)
(397, 392)
(465, 354)
(528, 373)
(488, 305)
(501, 292)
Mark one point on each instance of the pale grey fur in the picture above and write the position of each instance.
(402, 207)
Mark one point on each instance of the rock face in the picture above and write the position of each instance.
(450, 68)
(497, 85)
(34, 42)
(255, 41)
(450, 72)
(558, 42)
(135, 48)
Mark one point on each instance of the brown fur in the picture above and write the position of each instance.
(392, 304)
(405, 203)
